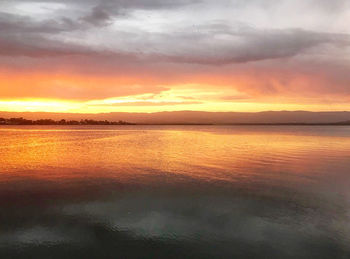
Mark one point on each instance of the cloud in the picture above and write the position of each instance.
(141, 4)
(245, 46)
(98, 17)
(220, 43)
(258, 48)
(103, 12)
(18, 24)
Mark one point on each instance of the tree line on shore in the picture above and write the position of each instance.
(22, 121)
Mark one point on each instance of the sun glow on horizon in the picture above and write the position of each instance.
(142, 104)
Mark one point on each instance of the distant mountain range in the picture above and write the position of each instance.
(198, 117)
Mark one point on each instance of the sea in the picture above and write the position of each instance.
(138, 191)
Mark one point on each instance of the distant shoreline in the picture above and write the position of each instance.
(187, 124)
(45, 122)
(50, 122)
(187, 118)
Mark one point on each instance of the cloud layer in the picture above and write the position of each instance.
(90, 50)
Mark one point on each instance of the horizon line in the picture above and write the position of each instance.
(322, 111)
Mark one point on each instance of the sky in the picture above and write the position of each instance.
(90, 56)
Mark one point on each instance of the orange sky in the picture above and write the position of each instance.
(85, 57)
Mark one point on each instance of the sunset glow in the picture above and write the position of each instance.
(150, 56)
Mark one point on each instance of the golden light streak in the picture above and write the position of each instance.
(48, 105)
(34, 105)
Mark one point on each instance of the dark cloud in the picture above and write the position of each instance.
(98, 17)
(102, 12)
(253, 45)
(149, 4)
(116, 7)
(39, 47)
(326, 4)
(141, 4)
(19, 24)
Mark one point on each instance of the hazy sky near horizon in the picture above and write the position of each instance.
(163, 55)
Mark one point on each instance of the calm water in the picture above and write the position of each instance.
(174, 192)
